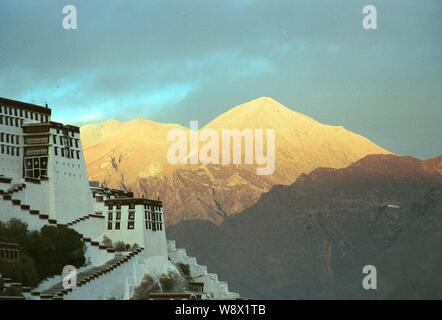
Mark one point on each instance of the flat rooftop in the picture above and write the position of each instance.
(25, 106)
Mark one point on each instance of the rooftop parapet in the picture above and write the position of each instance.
(132, 201)
(25, 106)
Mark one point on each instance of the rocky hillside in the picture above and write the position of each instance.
(311, 239)
(133, 155)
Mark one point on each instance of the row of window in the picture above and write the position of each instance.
(36, 151)
(24, 114)
(130, 222)
(132, 206)
(68, 164)
(9, 121)
(36, 167)
(117, 225)
(152, 207)
(37, 140)
(153, 220)
(71, 133)
(154, 226)
(118, 206)
(148, 215)
(70, 174)
(10, 150)
(66, 153)
(8, 254)
(131, 215)
(36, 129)
(9, 138)
(65, 141)
(153, 216)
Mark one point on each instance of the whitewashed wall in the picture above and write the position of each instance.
(135, 235)
(95, 256)
(36, 196)
(9, 211)
(92, 227)
(12, 166)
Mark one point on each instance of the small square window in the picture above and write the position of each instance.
(130, 225)
(117, 225)
(109, 225)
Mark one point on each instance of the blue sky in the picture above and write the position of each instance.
(176, 61)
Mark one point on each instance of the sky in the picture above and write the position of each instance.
(176, 61)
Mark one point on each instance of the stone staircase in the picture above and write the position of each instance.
(8, 195)
(58, 292)
(213, 287)
(17, 187)
(35, 219)
(83, 218)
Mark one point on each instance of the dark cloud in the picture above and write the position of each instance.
(178, 60)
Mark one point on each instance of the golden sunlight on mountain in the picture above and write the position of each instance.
(133, 155)
(302, 143)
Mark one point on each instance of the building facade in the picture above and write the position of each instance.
(47, 156)
(43, 181)
(137, 221)
(9, 252)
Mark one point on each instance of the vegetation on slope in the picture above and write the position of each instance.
(43, 253)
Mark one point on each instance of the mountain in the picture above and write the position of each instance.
(133, 155)
(312, 239)
(139, 147)
(302, 143)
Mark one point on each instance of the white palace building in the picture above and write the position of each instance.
(43, 181)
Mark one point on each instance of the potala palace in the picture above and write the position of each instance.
(43, 181)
